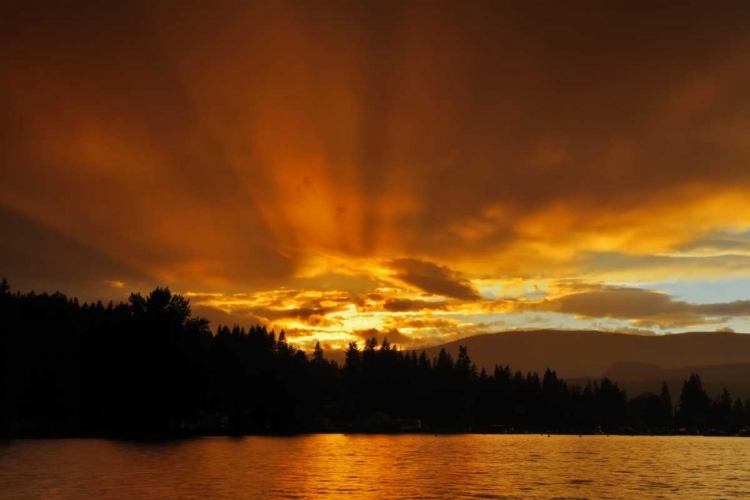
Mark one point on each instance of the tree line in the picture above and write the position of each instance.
(147, 367)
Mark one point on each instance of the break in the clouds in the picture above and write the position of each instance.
(412, 158)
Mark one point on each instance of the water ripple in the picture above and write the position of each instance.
(492, 467)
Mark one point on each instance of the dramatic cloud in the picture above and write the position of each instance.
(331, 166)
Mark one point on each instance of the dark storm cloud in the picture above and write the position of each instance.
(413, 305)
(644, 307)
(434, 279)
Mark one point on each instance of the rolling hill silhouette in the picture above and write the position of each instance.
(581, 354)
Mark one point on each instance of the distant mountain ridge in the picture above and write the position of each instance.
(726, 373)
(637, 378)
(580, 354)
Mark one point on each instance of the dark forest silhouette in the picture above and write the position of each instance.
(148, 368)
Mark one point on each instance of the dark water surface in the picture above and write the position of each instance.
(381, 467)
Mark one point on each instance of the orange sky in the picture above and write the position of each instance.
(425, 170)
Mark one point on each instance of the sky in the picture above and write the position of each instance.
(415, 170)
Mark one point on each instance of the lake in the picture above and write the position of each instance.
(380, 467)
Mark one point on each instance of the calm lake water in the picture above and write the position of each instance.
(381, 467)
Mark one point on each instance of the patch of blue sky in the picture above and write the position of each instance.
(739, 325)
(704, 292)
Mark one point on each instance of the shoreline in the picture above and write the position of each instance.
(184, 437)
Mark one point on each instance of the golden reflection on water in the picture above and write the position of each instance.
(380, 467)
